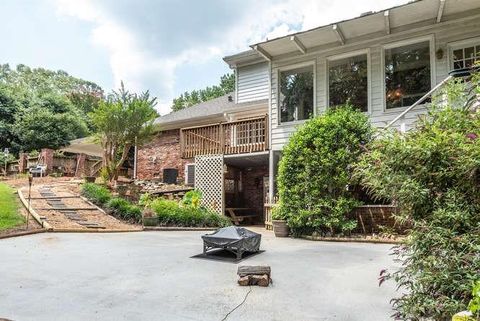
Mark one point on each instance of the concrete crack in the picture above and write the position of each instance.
(244, 299)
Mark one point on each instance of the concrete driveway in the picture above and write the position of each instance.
(150, 276)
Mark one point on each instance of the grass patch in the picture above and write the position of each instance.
(9, 212)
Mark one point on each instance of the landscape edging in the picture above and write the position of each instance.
(179, 228)
(23, 233)
(349, 240)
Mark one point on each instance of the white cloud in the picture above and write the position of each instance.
(141, 67)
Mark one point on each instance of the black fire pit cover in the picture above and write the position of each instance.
(234, 238)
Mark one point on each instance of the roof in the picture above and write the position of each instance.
(207, 112)
(371, 25)
(85, 145)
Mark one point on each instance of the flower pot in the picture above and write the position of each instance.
(90, 179)
(280, 228)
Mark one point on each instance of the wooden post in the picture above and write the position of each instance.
(222, 139)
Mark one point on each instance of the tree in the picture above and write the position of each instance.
(188, 99)
(28, 96)
(122, 121)
(40, 128)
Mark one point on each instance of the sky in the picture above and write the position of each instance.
(164, 46)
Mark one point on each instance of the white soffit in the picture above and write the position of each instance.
(372, 24)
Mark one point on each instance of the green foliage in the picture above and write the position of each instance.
(316, 168)
(9, 214)
(432, 174)
(474, 305)
(121, 121)
(188, 99)
(192, 199)
(97, 194)
(171, 213)
(123, 209)
(40, 128)
(32, 100)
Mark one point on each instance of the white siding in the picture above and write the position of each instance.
(252, 83)
(442, 34)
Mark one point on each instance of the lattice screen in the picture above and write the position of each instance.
(209, 180)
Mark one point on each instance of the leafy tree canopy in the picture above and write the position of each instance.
(121, 121)
(188, 99)
(43, 108)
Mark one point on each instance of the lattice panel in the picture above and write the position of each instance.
(209, 180)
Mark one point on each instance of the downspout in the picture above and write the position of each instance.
(271, 158)
(135, 152)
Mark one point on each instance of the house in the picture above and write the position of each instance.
(381, 62)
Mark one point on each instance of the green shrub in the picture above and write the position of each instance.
(432, 173)
(97, 194)
(316, 170)
(171, 213)
(124, 210)
(192, 198)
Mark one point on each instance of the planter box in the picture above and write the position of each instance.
(280, 228)
(90, 179)
(150, 221)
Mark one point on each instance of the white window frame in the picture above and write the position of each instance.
(313, 64)
(460, 44)
(360, 52)
(410, 41)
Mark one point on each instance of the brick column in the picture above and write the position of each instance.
(47, 157)
(80, 169)
(22, 162)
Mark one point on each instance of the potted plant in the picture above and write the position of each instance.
(279, 222)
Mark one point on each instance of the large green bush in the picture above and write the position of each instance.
(171, 213)
(432, 174)
(315, 172)
(98, 194)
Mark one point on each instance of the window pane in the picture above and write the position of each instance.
(407, 74)
(458, 64)
(458, 54)
(296, 94)
(348, 82)
(469, 53)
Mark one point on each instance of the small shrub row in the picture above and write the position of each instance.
(171, 213)
(124, 210)
(116, 206)
(97, 194)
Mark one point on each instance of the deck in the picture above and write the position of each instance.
(237, 137)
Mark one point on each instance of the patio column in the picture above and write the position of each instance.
(271, 175)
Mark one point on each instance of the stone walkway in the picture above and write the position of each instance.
(65, 210)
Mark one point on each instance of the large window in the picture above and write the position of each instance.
(296, 94)
(407, 74)
(348, 82)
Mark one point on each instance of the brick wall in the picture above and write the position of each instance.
(371, 219)
(253, 188)
(163, 151)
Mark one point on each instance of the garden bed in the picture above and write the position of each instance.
(360, 238)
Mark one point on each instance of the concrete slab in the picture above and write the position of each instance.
(150, 276)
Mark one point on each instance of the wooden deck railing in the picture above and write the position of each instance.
(237, 137)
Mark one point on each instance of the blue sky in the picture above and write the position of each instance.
(165, 46)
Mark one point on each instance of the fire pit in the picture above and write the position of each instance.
(233, 239)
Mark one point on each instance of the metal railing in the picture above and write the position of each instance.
(461, 73)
